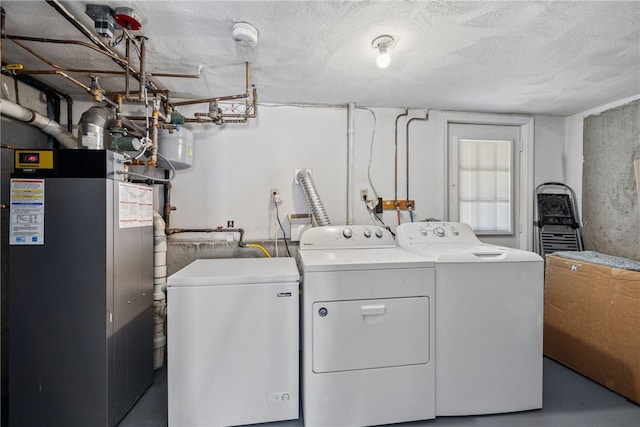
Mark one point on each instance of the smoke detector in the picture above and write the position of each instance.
(245, 34)
(128, 18)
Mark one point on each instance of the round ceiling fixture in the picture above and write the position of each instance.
(245, 34)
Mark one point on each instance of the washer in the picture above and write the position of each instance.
(488, 320)
(233, 346)
(368, 329)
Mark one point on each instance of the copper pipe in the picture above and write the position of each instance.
(167, 204)
(66, 76)
(126, 75)
(111, 55)
(83, 29)
(154, 138)
(119, 111)
(182, 76)
(143, 77)
(163, 92)
(222, 98)
(251, 106)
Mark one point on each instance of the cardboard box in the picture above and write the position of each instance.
(592, 322)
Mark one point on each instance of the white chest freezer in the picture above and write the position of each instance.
(232, 336)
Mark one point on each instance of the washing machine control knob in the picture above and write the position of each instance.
(347, 233)
(439, 231)
(367, 233)
(379, 234)
(455, 231)
(423, 231)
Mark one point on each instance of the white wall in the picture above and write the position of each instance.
(235, 166)
(550, 157)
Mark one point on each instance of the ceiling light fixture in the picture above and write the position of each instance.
(382, 43)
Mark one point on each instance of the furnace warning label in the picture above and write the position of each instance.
(27, 212)
(135, 206)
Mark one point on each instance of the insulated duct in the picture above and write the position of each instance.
(97, 131)
(313, 199)
(48, 126)
(93, 128)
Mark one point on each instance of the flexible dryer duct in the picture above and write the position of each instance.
(313, 199)
(48, 126)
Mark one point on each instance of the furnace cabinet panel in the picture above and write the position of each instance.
(81, 311)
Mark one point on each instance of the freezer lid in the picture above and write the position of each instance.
(233, 271)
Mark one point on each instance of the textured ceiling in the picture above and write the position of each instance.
(558, 58)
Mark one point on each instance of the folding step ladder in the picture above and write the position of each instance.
(557, 222)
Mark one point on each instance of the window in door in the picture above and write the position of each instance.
(485, 185)
(487, 181)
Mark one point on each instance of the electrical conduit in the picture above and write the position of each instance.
(312, 196)
(350, 152)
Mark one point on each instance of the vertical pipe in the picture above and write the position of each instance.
(350, 167)
(126, 73)
(154, 137)
(395, 170)
(407, 147)
(143, 76)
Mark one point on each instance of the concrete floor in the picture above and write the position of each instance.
(569, 400)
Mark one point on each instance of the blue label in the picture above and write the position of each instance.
(20, 239)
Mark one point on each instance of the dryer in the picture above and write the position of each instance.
(488, 320)
(368, 329)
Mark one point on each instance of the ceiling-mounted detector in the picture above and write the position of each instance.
(245, 34)
(128, 18)
(102, 16)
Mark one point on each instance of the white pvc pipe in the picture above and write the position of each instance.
(48, 126)
(350, 167)
(159, 287)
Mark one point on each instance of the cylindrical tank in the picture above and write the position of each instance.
(176, 146)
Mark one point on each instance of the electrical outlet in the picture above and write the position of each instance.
(364, 194)
(274, 195)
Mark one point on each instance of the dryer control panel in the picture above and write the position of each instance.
(346, 236)
(436, 232)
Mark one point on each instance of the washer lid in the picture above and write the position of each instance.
(234, 271)
(471, 253)
(359, 259)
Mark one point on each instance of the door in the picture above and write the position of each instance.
(484, 181)
(369, 334)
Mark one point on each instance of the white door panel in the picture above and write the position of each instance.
(484, 180)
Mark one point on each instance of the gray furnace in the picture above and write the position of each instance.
(80, 289)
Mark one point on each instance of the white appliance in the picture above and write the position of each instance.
(488, 320)
(368, 329)
(233, 342)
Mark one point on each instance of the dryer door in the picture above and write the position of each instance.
(373, 333)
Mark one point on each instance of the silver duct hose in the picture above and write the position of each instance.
(313, 199)
(48, 126)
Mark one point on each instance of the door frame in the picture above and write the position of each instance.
(526, 123)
